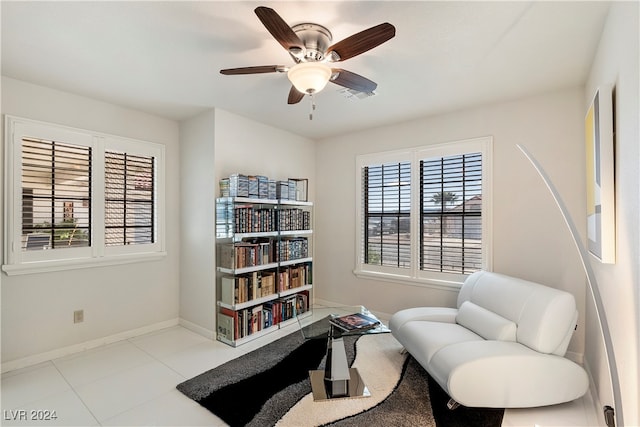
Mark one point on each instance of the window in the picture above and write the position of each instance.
(451, 213)
(424, 213)
(129, 199)
(56, 195)
(77, 198)
(387, 196)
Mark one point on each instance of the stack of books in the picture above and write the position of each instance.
(261, 187)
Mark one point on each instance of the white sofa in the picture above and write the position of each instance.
(502, 347)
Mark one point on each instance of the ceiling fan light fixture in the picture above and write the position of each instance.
(309, 77)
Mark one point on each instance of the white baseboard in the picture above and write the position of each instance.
(207, 333)
(87, 345)
(325, 303)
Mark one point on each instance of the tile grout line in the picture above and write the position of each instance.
(44, 366)
(95, 418)
(157, 359)
(128, 341)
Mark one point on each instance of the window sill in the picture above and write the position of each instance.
(411, 281)
(75, 264)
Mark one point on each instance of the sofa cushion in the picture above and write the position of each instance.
(545, 317)
(423, 338)
(486, 323)
(431, 314)
(503, 374)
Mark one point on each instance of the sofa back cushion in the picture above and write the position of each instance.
(544, 317)
(485, 323)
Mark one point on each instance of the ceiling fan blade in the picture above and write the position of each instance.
(295, 96)
(360, 42)
(279, 29)
(254, 70)
(353, 81)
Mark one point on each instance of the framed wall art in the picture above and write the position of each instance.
(601, 220)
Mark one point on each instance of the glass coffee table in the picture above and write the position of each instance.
(337, 380)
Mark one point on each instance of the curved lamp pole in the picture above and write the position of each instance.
(593, 286)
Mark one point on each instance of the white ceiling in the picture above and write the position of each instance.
(164, 57)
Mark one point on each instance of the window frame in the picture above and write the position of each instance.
(15, 260)
(140, 148)
(413, 275)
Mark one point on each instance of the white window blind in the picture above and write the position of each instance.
(423, 213)
(451, 214)
(76, 198)
(129, 199)
(387, 208)
(56, 195)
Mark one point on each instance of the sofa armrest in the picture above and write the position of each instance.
(432, 314)
(503, 374)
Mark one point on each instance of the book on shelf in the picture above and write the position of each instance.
(255, 252)
(268, 283)
(256, 319)
(226, 327)
(293, 219)
(267, 315)
(288, 308)
(251, 219)
(246, 287)
(272, 192)
(234, 325)
(254, 187)
(283, 280)
(272, 310)
(292, 189)
(302, 302)
(224, 187)
(282, 190)
(228, 291)
(261, 187)
(354, 322)
(227, 324)
(239, 185)
(292, 248)
(226, 256)
(294, 277)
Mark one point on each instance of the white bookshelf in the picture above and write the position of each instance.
(260, 241)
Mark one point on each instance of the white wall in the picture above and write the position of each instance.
(216, 144)
(37, 309)
(252, 148)
(197, 227)
(616, 63)
(530, 238)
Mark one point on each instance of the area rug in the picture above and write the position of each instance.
(270, 387)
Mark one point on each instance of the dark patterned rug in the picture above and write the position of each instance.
(259, 388)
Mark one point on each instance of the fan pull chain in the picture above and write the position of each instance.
(312, 107)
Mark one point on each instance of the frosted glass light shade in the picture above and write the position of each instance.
(309, 77)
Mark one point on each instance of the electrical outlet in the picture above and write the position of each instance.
(78, 316)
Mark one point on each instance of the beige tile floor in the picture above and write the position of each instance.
(132, 383)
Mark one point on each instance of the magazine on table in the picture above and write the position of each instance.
(354, 322)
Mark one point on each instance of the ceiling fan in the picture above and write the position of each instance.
(309, 46)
